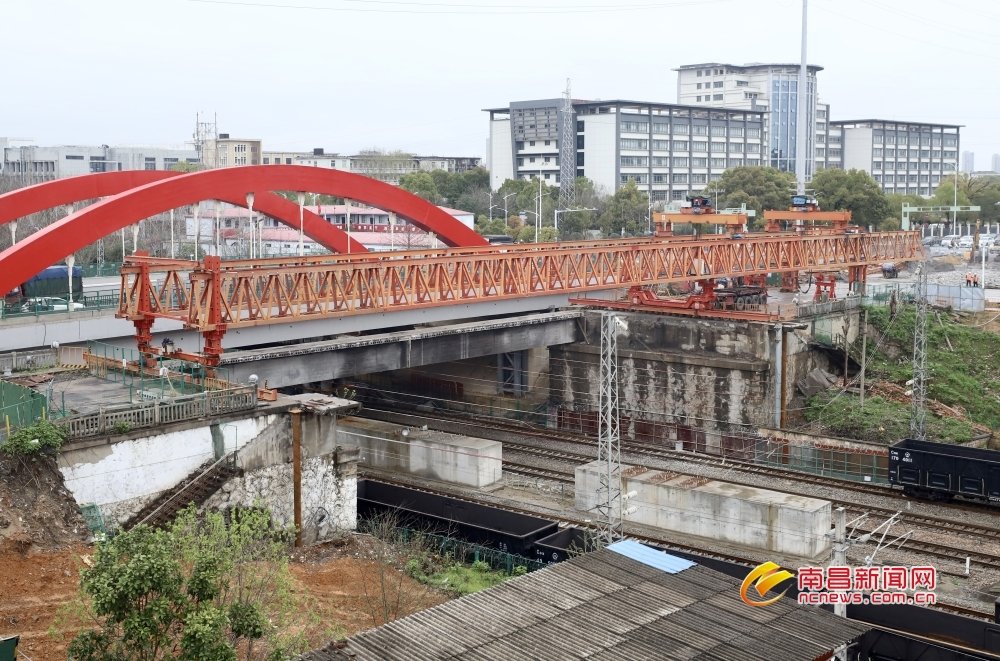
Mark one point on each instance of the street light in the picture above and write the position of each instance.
(537, 222)
(250, 197)
(506, 214)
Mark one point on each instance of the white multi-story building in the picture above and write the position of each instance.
(968, 161)
(904, 157)
(768, 88)
(386, 166)
(224, 151)
(668, 150)
(34, 161)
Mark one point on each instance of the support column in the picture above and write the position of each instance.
(296, 414)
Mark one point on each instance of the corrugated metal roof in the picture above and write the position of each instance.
(650, 556)
(605, 605)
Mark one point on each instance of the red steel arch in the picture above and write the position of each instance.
(57, 192)
(85, 226)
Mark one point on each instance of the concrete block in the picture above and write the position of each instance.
(738, 514)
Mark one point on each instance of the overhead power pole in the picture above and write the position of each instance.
(567, 152)
(918, 412)
(609, 451)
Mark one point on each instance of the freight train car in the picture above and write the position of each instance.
(941, 471)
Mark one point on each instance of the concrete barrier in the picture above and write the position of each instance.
(432, 454)
(747, 516)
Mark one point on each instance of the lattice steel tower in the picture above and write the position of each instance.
(918, 411)
(567, 152)
(609, 449)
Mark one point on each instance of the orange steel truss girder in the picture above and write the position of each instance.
(822, 216)
(212, 296)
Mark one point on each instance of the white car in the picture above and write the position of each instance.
(49, 304)
(949, 241)
(965, 242)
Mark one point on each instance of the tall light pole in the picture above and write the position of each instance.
(347, 221)
(302, 201)
(539, 217)
(173, 249)
(506, 214)
(490, 211)
(802, 111)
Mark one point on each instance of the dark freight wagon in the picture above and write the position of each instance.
(507, 531)
(941, 471)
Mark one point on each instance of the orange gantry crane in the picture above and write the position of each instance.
(212, 296)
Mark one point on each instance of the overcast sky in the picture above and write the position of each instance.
(348, 75)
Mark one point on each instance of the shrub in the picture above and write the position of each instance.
(34, 439)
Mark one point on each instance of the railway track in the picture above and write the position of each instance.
(651, 540)
(956, 552)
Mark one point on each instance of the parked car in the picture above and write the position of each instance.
(987, 240)
(49, 304)
(964, 242)
(950, 240)
(932, 241)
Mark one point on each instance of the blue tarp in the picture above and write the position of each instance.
(58, 272)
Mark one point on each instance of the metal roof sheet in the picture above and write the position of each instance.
(604, 605)
(650, 556)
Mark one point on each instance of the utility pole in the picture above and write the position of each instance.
(918, 410)
(864, 355)
(609, 452)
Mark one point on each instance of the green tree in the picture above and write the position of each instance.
(421, 184)
(574, 224)
(184, 166)
(758, 187)
(625, 211)
(201, 589)
(852, 190)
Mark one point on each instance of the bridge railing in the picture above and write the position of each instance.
(120, 419)
(91, 300)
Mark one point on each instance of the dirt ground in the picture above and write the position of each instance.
(37, 584)
(43, 547)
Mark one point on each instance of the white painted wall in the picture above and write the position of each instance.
(501, 159)
(601, 149)
(121, 477)
(858, 149)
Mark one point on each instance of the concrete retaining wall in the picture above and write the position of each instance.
(329, 493)
(122, 476)
(733, 513)
(435, 455)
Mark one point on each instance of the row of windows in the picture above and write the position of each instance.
(695, 146)
(922, 139)
(890, 178)
(923, 165)
(696, 163)
(903, 153)
(660, 128)
(710, 97)
(717, 84)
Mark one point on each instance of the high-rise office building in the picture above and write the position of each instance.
(768, 88)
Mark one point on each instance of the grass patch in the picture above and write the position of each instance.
(963, 362)
(455, 577)
(881, 421)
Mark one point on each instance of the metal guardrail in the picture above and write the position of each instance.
(828, 307)
(121, 419)
(24, 361)
(96, 300)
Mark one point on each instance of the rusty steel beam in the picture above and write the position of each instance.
(212, 296)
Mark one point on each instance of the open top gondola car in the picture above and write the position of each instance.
(941, 471)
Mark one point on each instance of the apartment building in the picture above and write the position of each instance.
(904, 157)
(223, 151)
(668, 150)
